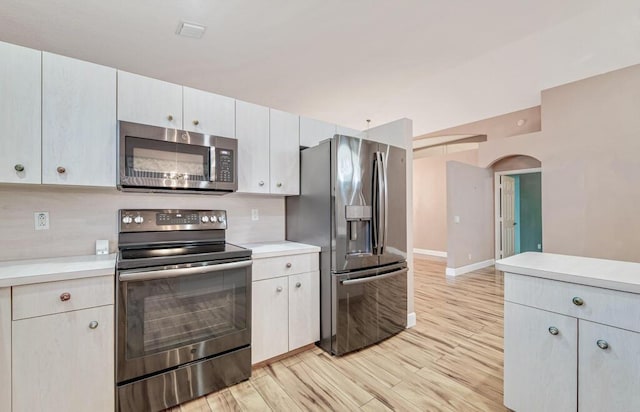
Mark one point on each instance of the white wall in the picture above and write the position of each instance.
(79, 216)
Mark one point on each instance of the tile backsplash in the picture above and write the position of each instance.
(79, 216)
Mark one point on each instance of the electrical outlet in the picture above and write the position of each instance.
(254, 214)
(41, 220)
(469, 256)
(539, 246)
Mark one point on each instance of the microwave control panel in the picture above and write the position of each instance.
(224, 166)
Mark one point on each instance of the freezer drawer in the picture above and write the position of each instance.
(370, 306)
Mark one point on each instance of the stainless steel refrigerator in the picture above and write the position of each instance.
(352, 204)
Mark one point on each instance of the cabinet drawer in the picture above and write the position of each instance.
(51, 297)
(267, 268)
(611, 307)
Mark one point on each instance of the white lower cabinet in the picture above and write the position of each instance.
(557, 359)
(64, 361)
(540, 359)
(609, 371)
(285, 307)
(5, 349)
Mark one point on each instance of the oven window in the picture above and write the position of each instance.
(164, 314)
(166, 160)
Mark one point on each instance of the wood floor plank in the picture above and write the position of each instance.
(248, 398)
(274, 395)
(452, 360)
(223, 401)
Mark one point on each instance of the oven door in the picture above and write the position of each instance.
(172, 315)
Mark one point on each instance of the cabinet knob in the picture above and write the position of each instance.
(19, 168)
(93, 324)
(553, 330)
(602, 344)
(279, 184)
(61, 169)
(279, 289)
(170, 118)
(65, 296)
(261, 183)
(298, 284)
(288, 265)
(578, 301)
(196, 122)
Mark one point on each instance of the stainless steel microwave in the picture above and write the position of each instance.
(157, 159)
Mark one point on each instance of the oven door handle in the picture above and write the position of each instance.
(373, 278)
(173, 273)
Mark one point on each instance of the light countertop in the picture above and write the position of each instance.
(23, 272)
(610, 274)
(281, 248)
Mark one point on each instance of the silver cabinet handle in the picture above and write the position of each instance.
(288, 265)
(65, 296)
(196, 122)
(170, 117)
(578, 301)
(61, 169)
(261, 183)
(93, 324)
(553, 330)
(298, 284)
(19, 168)
(279, 289)
(602, 344)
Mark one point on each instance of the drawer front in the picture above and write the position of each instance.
(56, 297)
(285, 265)
(611, 307)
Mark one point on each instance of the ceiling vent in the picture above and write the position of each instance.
(193, 30)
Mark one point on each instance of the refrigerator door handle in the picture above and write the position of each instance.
(385, 202)
(373, 278)
(375, 205)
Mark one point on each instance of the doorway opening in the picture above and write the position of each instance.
(518, 211)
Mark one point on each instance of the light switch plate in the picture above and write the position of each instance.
(254, 214)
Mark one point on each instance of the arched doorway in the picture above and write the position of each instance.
(518, 205)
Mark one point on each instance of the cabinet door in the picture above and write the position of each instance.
(209, 113)
(78, 122)
(539, 367)
(609, 370)
(20, 114)
(5, 349)
(269, 325)
(252, 131)
(313, 131)
(304, 309)
(61, 362)
(284, 144)
(149, 101)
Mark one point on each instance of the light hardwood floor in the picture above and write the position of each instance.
(450, 361)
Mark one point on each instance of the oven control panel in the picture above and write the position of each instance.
(156, 220)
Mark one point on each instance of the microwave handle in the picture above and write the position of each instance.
(212, 164)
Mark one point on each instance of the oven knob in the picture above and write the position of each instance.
(214, 219)
(205, 219)
(127, 219)
(221, 219)
(138, 219)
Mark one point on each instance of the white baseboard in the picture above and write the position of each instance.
(469, 268)
(428, 252)
(411, 320)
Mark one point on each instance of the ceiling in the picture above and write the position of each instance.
(440, 63)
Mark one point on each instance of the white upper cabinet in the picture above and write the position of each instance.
(20, 114)
(78, 122)
(314, 131)
(284, 153)
(347, 131)
(209, 113)
(252, 131)
(149, 101)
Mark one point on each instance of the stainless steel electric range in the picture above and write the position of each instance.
(183, 306)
